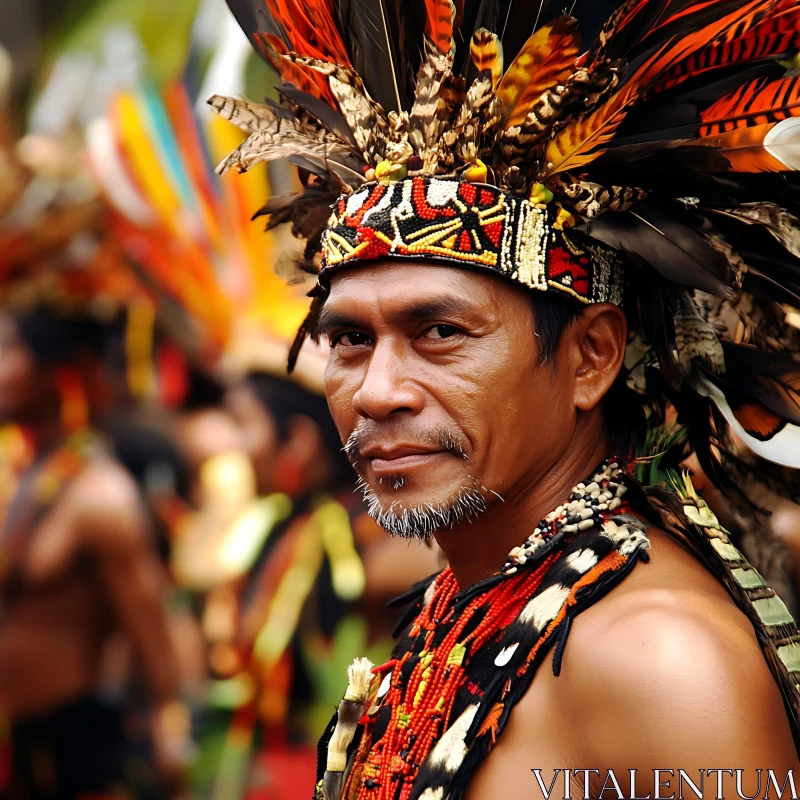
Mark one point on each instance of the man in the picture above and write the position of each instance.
(506, 285)
(79, 566)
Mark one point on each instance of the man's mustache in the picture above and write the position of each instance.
(369, 433)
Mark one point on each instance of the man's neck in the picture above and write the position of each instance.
(477, 549)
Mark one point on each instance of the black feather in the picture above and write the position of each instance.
(673, 248)
(657, 300)
(307, 210)
(254, 18)
(376, 34)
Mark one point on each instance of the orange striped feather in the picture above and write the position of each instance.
(755, 103)
(771, 37)
(439, 26)
(770, 11)
(548, 58)
(310, 27)
(305, 78)
(486, 50)
(684, 47)
(579, 143)
(744, 149)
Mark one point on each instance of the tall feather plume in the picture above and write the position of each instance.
(477, 113)
(272, 44)
(546, 60)
(311, 28)
(425, 122)
(583, 91)
(439, 26)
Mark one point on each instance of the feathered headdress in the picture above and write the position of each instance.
(647, 153)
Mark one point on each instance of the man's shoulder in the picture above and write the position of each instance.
(672, 595)
(669, 619)
(106, 506)
(665, 648)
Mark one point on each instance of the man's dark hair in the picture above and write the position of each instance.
(623, 409)
(55, 340)
(285, 399)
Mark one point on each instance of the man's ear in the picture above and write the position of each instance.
(600, 335)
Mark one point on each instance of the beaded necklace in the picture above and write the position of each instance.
(465, 657)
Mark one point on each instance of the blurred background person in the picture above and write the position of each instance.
(79, 563)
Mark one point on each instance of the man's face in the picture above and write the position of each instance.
(22, 384)
(434, 384)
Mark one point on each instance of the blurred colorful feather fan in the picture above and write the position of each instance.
(151, 156)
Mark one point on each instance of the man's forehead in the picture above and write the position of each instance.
(393, 283)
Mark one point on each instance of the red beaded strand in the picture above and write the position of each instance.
(420, 710)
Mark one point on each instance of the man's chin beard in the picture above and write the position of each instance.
(422, 521)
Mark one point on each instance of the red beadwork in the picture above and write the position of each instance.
(436, 681)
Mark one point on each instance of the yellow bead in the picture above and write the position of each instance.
(387, 172)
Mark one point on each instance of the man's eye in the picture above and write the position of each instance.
(351, 339)
(441, 332)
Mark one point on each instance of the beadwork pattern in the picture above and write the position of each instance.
(453, 222)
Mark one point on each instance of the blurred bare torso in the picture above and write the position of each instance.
(54, 626)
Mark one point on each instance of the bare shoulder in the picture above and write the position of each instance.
(667, 665)
(664, 672)
(107, 507)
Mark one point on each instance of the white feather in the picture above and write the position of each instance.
(504, 656)
(450, 749)
(783, 142)
(783, 448)
(542, 609)
(581, 560)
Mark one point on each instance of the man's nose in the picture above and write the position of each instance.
(387, 387)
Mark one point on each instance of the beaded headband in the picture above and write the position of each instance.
(457, 223)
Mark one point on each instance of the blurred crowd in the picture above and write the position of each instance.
(186, 568)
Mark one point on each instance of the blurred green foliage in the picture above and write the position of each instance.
(164, 27)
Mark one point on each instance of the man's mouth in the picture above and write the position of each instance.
(392, 460)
